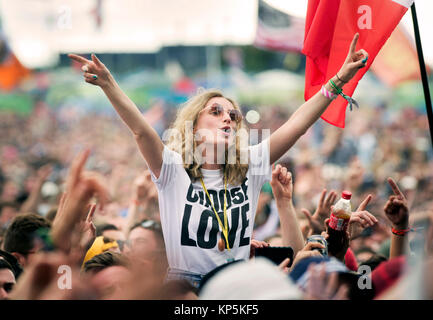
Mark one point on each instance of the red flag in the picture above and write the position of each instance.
(374, 20)
(319, 30)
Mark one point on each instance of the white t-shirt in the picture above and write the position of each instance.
(191, 230)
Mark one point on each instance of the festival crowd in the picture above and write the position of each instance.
(80, 214)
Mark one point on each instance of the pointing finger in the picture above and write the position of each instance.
(307, 215)
(77, 167)
(322, 198)
(78, 58)
(288, 177)
(353, 44)
(276, 172)
(96, 60)
(394, 187)
(91, 213)
(364, 203)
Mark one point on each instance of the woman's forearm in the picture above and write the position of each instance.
(303, 118)
(126, 108)
(147, 138)
(311, 110)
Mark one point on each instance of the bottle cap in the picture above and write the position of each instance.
(346, 195)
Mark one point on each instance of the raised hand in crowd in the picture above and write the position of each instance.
(316, 221)
(88, 229)
(144, 201)
(285, 136)
(361, 219)
(397, 211)
(144, 189)
(148, 140)
(396, 208)
(95, 72)
(31, 203)
(339, 241)
(309, 250)
(282, 188)
(81, 187)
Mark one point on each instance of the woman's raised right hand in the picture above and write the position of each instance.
(95, 72)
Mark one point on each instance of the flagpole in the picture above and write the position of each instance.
(428, 103)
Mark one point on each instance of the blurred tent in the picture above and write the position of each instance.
(18, 103)
(12, 72)
(408, 95)
(277, 30)
(39, 30)
(272, 87)
(397, 52)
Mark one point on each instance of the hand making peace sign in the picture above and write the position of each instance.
(355, 60)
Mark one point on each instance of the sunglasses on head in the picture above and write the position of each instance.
(150, 224)
(217, 110)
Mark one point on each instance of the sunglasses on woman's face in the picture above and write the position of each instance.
(217, 110)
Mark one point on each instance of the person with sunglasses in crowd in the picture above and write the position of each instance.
(145, 245)
(207, 177)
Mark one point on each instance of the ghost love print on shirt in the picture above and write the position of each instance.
(204, 222)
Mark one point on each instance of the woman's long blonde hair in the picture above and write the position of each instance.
(235, 171)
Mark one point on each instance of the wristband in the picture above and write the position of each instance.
(339, 91)
(328, 94)
(340, 78)
(402, 232)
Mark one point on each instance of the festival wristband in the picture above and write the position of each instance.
(402, 232)
(328, 94)
(339, 91)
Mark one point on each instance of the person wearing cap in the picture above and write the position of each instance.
(306, 270)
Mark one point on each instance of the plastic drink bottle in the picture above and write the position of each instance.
(341, 212)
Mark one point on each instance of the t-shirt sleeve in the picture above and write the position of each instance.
(171, 162)
(260, 165)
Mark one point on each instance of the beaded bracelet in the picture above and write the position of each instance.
(339, 91)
